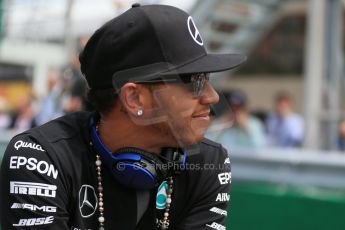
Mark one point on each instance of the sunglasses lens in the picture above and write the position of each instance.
(198, 82)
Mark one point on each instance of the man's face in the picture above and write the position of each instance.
(179, 118)
(283, 107)
(342, 130)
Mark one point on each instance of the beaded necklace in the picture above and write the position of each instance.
(161, 224)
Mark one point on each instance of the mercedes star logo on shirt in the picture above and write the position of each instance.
(87, 201)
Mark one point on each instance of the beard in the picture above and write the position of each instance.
(179, 133)
(176, 127)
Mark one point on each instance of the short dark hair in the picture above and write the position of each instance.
(283, 96)
(103, 100)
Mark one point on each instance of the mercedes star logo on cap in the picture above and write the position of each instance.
(87, 201)
(194, 32)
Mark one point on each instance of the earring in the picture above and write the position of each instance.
(140, 112)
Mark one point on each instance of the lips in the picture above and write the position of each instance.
(205, 116)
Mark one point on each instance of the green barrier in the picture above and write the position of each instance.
(272, 207)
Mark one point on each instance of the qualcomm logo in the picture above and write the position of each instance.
(161, 197)
(87, 201)
(194, 32)
(22, 144)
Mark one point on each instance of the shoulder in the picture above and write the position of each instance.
(255, 122)
(213, 150)
(58, 142)
(207, 152)
(295, 117)
(209, 143)
(61, 128)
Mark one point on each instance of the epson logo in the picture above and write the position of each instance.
(224, 178)
(219, 211)
(34, 189)
(33, 164)
(217, 226)
(35, 221)
(33, 207)
(223, 197)
(23, 144)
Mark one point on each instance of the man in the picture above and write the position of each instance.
(341, 136)
(140, 161)
(285, 128)
(247, 131)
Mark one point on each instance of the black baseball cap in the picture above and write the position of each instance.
(146, 42)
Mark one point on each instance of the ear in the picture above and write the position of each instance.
(132, 97)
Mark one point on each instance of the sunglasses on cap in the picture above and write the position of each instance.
(197, 81)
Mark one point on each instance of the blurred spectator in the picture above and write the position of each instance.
(247, 130)
(75, 83)
(66, 91)
(222, 118)
(51, 107)
(72, 104)
(23, 118)
(341, 138)
(5, 119)
(285, 128)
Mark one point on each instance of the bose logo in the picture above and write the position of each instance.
(224, 178)
(23, 144)
(33, 164)
(217, 226)
(33, 207)
(35, 189)
(35, 221)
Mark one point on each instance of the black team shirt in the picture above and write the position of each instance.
(48, 181)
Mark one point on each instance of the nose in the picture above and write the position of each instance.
(209, 96)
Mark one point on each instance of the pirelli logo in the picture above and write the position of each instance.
(33, 189)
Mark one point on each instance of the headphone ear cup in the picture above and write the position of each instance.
(132, 167)
(149, 162)
(128, 168)
(133, 175)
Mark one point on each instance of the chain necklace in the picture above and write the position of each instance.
(161, 224)
(100, 193)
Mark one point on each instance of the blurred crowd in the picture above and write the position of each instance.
(235, 126)
(66, 89)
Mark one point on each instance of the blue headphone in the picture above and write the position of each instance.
(136, 168)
